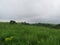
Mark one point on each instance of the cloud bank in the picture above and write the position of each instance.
(45, 11)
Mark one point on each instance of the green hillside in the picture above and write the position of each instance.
(20, 34)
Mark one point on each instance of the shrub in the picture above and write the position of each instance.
(13, 22)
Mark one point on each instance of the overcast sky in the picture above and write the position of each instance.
(46, 11)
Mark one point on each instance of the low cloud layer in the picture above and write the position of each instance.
(45, 11)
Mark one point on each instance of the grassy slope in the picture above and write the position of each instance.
(28, 35)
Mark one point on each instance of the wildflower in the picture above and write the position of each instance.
(9, 38)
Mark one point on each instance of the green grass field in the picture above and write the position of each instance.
(19, 34)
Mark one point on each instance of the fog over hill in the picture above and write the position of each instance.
(45, 11)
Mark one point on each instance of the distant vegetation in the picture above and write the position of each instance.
(56, 26)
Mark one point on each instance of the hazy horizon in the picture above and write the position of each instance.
(33, 11)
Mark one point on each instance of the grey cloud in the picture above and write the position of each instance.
(46, 11)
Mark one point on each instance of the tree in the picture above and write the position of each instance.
(13, 22)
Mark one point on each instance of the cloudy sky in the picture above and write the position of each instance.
(46, 11)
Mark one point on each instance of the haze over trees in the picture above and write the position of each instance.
(56, 26)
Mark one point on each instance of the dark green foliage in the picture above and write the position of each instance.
(13, 22)
(57, 26)
(25, 23)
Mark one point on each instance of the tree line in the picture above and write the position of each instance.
(56, 26)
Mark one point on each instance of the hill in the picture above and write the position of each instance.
(20, 34)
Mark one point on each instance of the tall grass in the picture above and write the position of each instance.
(28, 35)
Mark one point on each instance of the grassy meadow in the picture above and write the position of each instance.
(20, 34)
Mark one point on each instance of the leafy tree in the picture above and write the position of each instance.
(13, 22)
